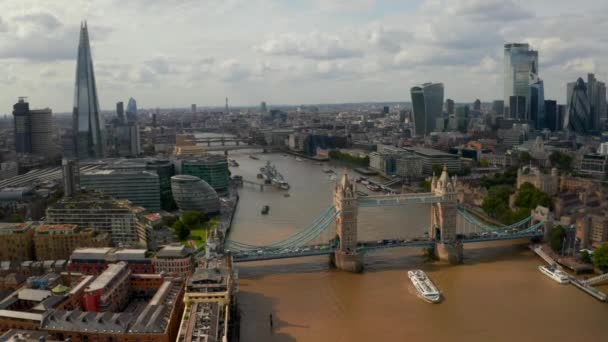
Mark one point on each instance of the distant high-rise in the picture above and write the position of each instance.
(120, 111)
(71, 177)
(33, 129)
(578, 118)
(520, 63)
(132, 110)
(498, 107)
(22, 127)
(517, 107)
(263, 108)
(596, 93)
(551, 116)
(536, 106)
(477, 105)
(227, 105)
(427, 101)
(87, 130)
(193, 108)
(449, 106)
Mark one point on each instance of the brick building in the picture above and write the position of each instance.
(16, 241)
(58, 241)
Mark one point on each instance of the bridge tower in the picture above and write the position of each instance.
(346, 256)
(443, 219)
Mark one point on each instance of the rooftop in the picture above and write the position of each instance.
(173, 251)
(107, 276)
(57, 228)
(15, 228)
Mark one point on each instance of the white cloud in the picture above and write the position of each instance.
(315, 45)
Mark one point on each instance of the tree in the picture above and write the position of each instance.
(169, 220)
(556, 238)
(193, 219)
(525, 157)
(528, 196)
(561, 161)
(600, 257)
(437, 169)
(181, 230)
(426, 185)
(586, 257)
(484, 162)
(17, 218)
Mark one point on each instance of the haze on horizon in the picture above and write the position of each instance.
(174, 53)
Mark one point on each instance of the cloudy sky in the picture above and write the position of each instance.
(176, 52)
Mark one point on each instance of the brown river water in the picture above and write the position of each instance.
(498, 294)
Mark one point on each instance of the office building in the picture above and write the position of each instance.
(517, 108)
(552, 119)
(140, 187)
(175, 259)
(519, 64)
(592, 165)
(578, 118)
(16, 241)
(213, 169)
(595, 94)
(477, 105)
(263, 108)
(432, 157)
(449, 106)
(58, 241)
(193, 108)
(109, 292)
(408, 166)
(596, 91)
(427, 102)
(93, 261)
(193, 193)
(536, 106)
(118, 218)
(33, 129)
(88, 141)
(132, 110)
(120, 111)
(165, 170)
(8, 169)
(498, 107)
(71, 176)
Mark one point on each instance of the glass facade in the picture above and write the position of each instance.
(193, 193)
(87, 130)
(427, 103)
(132, 110)
(213, 169)
(578, 118)
(520, 63)
(537, 105)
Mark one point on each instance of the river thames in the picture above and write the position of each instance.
(498, 294)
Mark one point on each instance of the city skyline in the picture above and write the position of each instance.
(357, 52)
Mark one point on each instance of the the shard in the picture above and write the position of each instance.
(87, 131)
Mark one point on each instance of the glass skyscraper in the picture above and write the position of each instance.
(427, 102)
(536, 106)
(578, 118)
(520, 64)
(87, 130)
(132, 110)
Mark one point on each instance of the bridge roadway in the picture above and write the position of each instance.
(372, 246)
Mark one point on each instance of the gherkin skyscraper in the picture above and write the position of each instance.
(87, 131)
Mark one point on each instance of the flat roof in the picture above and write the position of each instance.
(33, 295)
(106, 276)
(57, 228)
(21, 315)
(430, 152)
(90, 253)
(14, 227)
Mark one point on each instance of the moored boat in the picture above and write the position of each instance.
(555, 273)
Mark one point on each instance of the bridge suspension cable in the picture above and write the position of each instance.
(489, 228)
(316, 228)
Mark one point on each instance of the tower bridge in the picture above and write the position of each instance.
(335, 231)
